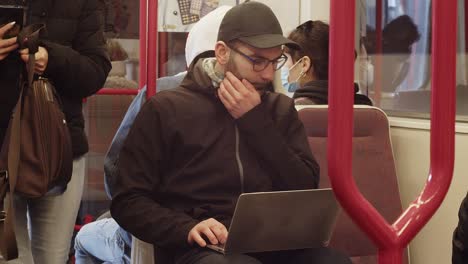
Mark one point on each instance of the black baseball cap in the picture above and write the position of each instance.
(255, 24)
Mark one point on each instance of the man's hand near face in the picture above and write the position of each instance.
(211, 229)
(239, 97)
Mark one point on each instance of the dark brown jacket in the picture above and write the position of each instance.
(186, 159)
(460, 235)
(78, 62)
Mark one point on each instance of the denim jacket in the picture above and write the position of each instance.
(112, 156)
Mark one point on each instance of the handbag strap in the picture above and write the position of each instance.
(8, 244)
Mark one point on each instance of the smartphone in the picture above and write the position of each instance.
(10, 13)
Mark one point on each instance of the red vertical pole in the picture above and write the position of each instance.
(391, 239)
(466, 25)
(163, 53)
(444, 46)
(378, 53)
(378, 24)
(143, 43)
(341, 42)
(152, 47)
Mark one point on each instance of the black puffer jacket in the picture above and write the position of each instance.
(78, 62)
(316, 92)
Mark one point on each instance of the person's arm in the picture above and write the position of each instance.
(283, 148)
(81, 70)
(112, 156)
(140, 170)
(460, 235)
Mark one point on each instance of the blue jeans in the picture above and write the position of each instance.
(101, 241)
(44, 226)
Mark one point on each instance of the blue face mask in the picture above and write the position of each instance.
(290, 87)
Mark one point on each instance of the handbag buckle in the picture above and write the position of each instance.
(2, 216)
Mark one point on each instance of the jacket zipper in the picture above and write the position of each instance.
(239, 162)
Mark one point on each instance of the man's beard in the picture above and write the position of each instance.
(232, 67)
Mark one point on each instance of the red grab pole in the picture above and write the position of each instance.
(117, 91)
(143, 42)
(378, 53)
(444, 44)
(152, 47)
(163, 42)
(391, 239)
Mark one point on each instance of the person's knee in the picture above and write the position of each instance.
(86, 233)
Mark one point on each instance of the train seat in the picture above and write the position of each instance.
(373, 170)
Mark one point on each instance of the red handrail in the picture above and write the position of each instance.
(117, 91)
(152, 47)
(378, 53)
(466, 25)
(163, 42)
(391, 239)
(143, 43)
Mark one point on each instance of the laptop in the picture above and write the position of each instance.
(285, 220)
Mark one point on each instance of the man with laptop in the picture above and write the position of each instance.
(193, 150)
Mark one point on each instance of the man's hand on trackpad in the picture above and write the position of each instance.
(213, 231)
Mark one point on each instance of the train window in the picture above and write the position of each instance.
(405, 55)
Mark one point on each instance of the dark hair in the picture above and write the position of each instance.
(399, 35)
(312, 36)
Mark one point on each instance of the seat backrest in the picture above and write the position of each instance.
(373, 170)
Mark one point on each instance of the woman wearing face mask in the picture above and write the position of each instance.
(307, 77)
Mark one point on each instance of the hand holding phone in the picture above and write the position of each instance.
(13, 31)
(11, 16)
(7, 44)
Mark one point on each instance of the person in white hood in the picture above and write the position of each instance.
(104, 241)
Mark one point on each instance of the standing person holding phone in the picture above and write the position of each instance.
(73, 57)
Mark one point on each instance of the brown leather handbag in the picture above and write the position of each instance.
(36, 156)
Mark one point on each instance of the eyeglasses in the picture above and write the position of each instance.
(259, 64)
